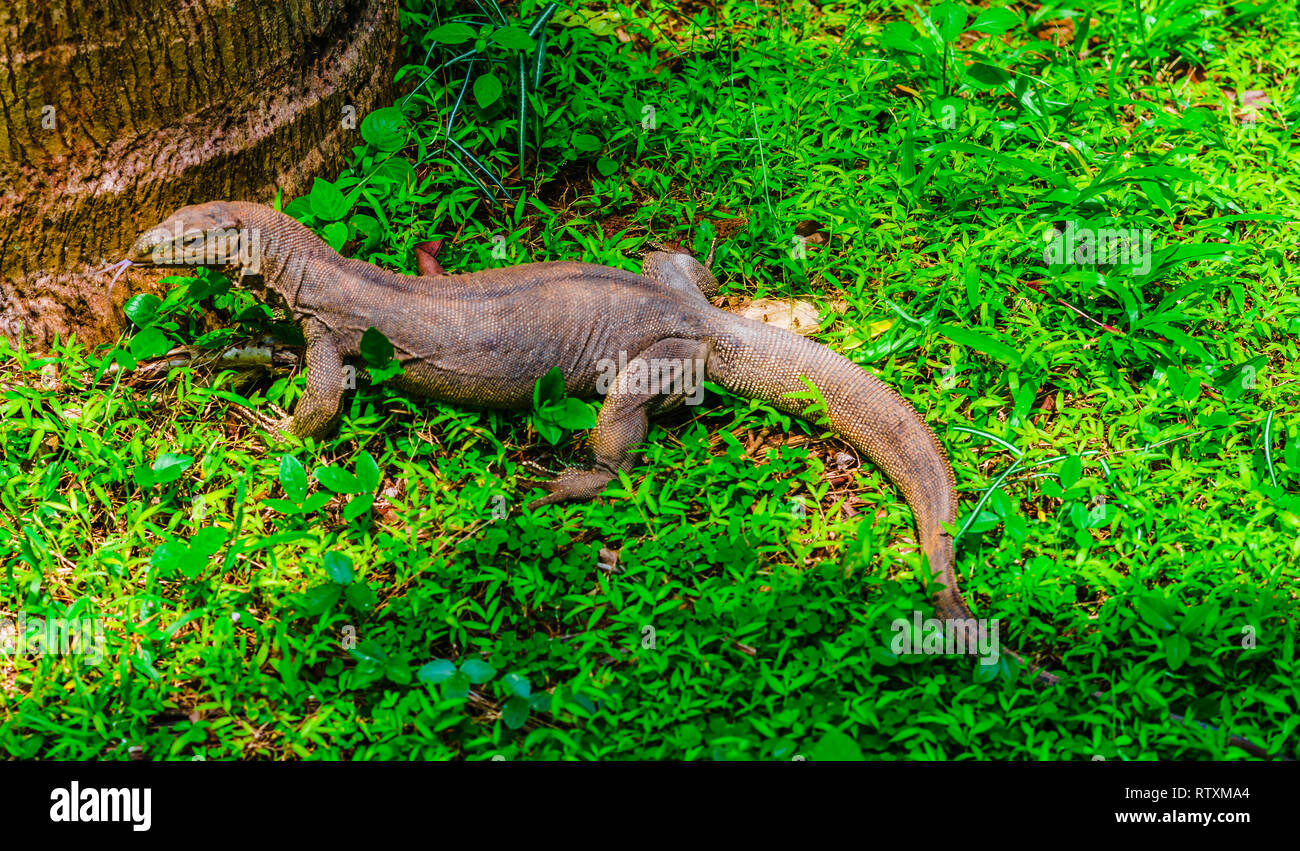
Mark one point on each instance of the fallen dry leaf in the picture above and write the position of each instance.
(1252, 103)
(800, 317)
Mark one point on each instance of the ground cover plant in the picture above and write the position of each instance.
(1121, 418)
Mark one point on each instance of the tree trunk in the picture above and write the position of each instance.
(113, 113)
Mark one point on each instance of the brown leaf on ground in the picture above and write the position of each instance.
(614, 224)
(727, 228)
(799, 316)
(812, 232)
(1253, 103)
(1059, 32)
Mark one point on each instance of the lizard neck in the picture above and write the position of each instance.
(287, 264)
(277, 256)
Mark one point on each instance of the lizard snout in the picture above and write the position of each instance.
(140, 251)
(162, 246)
(143, 249)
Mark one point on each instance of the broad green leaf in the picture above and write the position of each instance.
(518, 684)
(319, 600)
(454, 33)
(549, 431)
(208, 540)
(550, 388)
(900, 35)
(335, 235)
(515, 712)
(339, 480)
(375, 348)
(327, 202)
(1156, 611)
(437, 671)
(513, 38)
(361, 596)
(367, 228)
(456, 686)
(585, 142)
(396, 170)
(192, 562)
(293, 478)
(478, 671)
(949, 20)
(835, 746)
(358, 506)
(387, 128)
(987, 75)
(142, 309)
(169, 466)
(981, 343)
(338, 567)
(995, 21)
(487, 89)
(283, 506)
(150, 343)
(166, 557)
(1177, 649)
(1071, 470)
(368, 471)
(370, 652)
(576, 415)
(316, 501)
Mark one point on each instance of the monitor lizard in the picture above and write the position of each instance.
(485, 338)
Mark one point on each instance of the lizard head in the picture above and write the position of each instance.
(210, 234)
(214, 235)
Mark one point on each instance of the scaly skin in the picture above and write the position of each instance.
(486, 338)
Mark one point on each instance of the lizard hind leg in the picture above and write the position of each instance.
(659, 378)
(681, 272)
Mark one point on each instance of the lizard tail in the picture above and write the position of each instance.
(762, 362)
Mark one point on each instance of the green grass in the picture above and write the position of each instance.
(1128, 493)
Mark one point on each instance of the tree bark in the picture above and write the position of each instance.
(113, 113)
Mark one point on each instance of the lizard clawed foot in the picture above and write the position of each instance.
(571, 486)
(277, 427)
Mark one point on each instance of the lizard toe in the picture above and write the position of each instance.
(277, 429)
(549, 499)
(572, 486)
(529, 484)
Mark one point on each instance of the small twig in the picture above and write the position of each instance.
(1033, 285)
(1103, 326)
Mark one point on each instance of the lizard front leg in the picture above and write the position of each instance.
(659, 378)
(321, 404)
